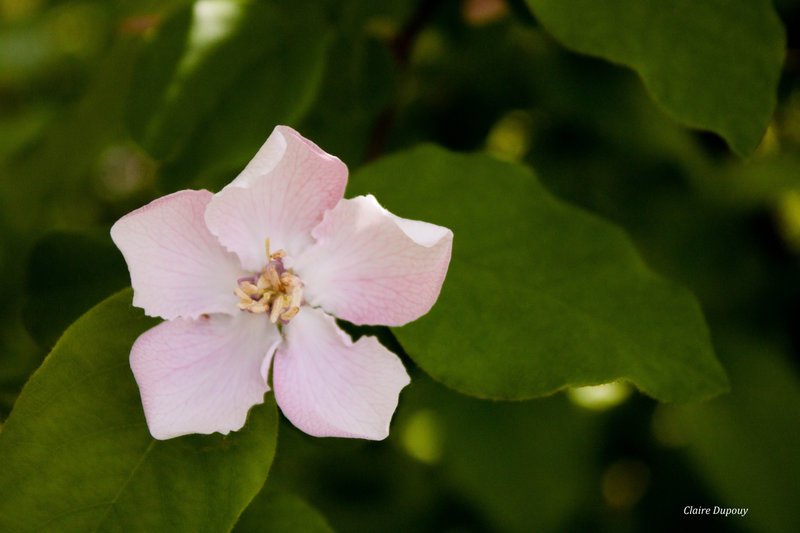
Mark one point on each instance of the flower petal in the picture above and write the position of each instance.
(280, 195)
(177, 267)
(330, 387)
(202, 376)
(369, 266)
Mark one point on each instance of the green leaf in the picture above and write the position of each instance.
(711, 65)
(75, 269)
(275, 510)
(219, 75)
(77, 455)
(540, 295)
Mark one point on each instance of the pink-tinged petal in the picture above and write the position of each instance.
(177, 267)
(202, 376)
(330, 387)
(280, 200)
(369, 266)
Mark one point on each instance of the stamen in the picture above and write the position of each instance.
(249, 288)
(274, 290)
(273, 278)
(297, 297)
(288, 315)
(277, 306)
(280, 254)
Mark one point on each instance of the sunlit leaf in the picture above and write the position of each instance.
(77, 455)
(712, 65)
(540, 295)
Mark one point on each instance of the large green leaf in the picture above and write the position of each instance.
(713, 64)
(218, 75)
(77, 455)
(540, 295)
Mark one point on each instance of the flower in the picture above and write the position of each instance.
(250, 279)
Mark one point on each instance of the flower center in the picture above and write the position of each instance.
(274, 290)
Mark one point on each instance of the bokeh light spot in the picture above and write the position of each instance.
(600, 397)
(510, 138)
(788, 214)
(422, 437)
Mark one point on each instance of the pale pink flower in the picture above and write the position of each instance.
(251, 278)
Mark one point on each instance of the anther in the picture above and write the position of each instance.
(288, 315)
(249, 288)
(273, 277)
(272, 291)
(277, 306)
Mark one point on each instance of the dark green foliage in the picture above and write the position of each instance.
(584, 207)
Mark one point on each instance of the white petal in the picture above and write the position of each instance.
(330, 387)
(281, 195)
(369, 266)
(202, 376)
(177, 267)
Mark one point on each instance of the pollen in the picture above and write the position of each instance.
(274, 291)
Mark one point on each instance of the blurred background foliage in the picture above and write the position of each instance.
(108, 104)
